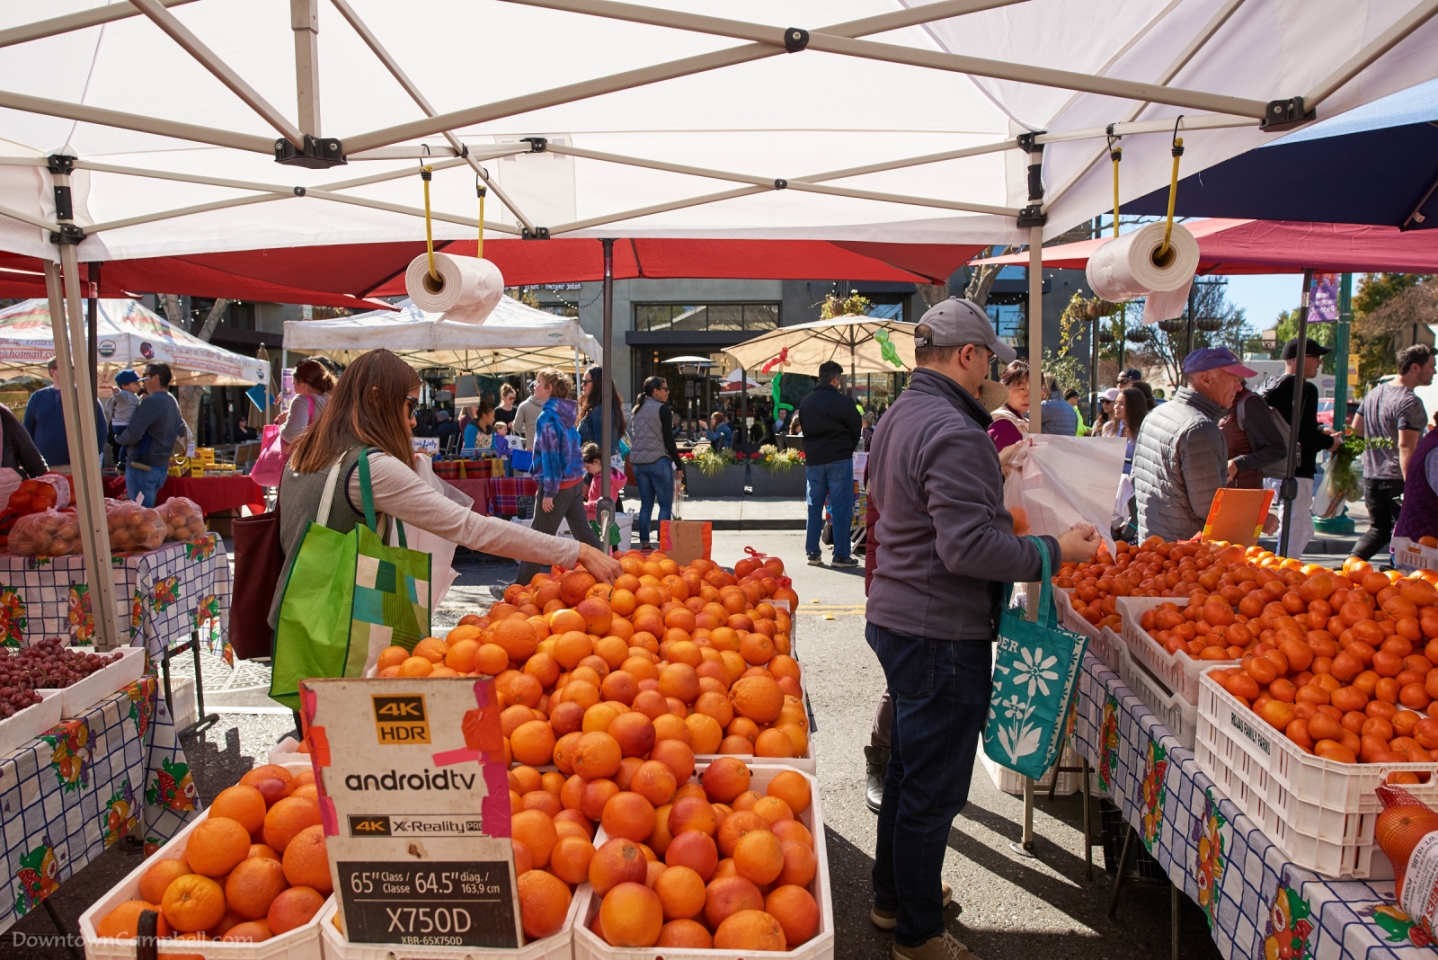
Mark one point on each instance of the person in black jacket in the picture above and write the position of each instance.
(1312, 438)
(831, 432)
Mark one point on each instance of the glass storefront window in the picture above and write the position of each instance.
(660, 317)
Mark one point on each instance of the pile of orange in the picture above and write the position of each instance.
(255, 868)
(685, 864)
(1346, 664)
(693, 653)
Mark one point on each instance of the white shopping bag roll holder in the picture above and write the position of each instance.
(464, 289)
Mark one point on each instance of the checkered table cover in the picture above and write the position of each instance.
(504, 493)
(1257, 903)
(160, 595)
(82, 786)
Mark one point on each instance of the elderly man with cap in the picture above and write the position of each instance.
(1181, 459)
(945, 548)
(1312, 438)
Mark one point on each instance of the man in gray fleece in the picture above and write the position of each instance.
(946, 547)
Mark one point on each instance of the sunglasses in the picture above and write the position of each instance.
(409, 406)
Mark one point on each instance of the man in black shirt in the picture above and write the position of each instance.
(831, 432)
(1312, 438)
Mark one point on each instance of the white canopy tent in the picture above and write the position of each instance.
(899, 122)
(129, 336)
(516, 338)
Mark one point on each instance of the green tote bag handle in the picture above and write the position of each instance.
(367, 499)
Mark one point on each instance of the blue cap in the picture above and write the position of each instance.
(1215, 358)
(125, 377)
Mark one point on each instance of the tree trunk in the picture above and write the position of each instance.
(934, 293)
(190, 408)
(981, 281)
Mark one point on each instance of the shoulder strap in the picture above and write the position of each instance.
(311, 399)
(1046, 590)
(328, 497)
(367, 498)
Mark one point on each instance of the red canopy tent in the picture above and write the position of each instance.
(1282, 246)
(342, 275)
(1278, 246)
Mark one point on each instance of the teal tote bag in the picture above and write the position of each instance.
(1036, 672)
(346, 595)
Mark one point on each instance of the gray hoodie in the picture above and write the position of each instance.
(946, 543)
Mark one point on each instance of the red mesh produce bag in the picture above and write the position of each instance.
(183, 519)
(1407, 831)
(49, 533)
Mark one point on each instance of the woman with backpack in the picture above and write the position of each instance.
(1253, 438)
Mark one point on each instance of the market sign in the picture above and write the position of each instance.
(415, 798)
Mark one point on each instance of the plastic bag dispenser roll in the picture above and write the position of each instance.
(468, 292)
(1129, 267)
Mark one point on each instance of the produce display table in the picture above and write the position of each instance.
(213, 494)
(1257, 903)
(116, 771)
(162, 596)
(504, 494)
(476, 490)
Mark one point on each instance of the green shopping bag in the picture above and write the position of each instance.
(346, 595)
(1035, 674)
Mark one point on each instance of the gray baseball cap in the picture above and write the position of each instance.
(957, 323)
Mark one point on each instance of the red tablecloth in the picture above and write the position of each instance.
(213, 494)
(504, 493)
(477, 490)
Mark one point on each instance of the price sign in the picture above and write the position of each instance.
(419, 842)
(443, 904)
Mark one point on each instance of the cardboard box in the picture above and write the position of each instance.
(416, 796)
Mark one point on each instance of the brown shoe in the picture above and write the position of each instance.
(938, 948)
(889, 919)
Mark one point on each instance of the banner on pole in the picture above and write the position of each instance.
(1323, 300)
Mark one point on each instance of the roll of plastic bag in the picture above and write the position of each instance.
(1166, 304)
(469, 290)
(1125, 268)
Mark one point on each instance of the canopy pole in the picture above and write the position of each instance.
(604, 511)
(1289, 489)
(67, 328)
(93, 320)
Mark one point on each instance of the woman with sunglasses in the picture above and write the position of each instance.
(372, 407)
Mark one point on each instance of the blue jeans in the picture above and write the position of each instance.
(147, 482)
(656, 482)
(940, 692)
(836, 482)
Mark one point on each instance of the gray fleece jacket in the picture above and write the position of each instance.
(1179, 463)
(946, 543)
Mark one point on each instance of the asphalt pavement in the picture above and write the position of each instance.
(1006, 905)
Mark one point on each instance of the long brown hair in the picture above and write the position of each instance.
(367, 406)
(593, 397)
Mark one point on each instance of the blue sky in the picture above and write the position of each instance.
(1264, 296)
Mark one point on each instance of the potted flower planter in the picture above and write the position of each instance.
(775, 483)
(729, 482)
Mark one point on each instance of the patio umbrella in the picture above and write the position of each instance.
(854, 342)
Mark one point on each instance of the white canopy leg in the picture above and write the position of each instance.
(73, 380)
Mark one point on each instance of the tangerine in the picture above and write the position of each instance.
(306, 860)
(193, 902)
(217, 844)
(253, 885)
(543, 904)
(294, 908)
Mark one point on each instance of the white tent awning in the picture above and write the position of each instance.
(516, 338)
(893, 121)
(128, 336)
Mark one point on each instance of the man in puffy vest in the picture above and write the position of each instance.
(1180, 459)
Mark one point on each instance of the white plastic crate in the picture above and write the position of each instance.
(1175, 713)
(27, 725)
(1068, 618)
(554, 947)
(588, 946)
(1108, 647)
(300, 944)
(1320, 812)
(79, 697)
(1178, 671)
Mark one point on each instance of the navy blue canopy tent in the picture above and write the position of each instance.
(1377, 164)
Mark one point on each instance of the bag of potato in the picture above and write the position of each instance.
(183, 519)
(133, 528)
(49, 533)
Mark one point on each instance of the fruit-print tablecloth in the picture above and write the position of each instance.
(1257, 903)
(161, 596)
(116, 771)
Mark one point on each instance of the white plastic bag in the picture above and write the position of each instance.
(1071, 479)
